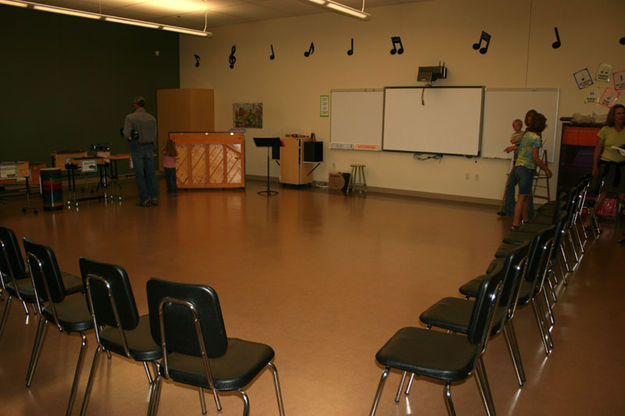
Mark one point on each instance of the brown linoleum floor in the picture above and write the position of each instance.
(325, 280)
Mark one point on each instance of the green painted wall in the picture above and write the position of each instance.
(68, 82)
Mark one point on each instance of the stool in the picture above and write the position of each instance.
(357, 181)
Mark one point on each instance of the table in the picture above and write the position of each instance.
(105, 166)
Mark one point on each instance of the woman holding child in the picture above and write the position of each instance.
(525, 167)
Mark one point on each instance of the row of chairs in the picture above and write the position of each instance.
(183, 338)
(523, 272)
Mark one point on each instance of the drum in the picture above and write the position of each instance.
(51, 181)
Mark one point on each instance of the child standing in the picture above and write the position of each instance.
(169, 163)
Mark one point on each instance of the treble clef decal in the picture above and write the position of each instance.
(232, 59)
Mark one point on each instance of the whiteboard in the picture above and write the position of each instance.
(443, 120)
(356, 119)
(502, 106)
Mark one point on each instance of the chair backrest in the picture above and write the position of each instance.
(109, 294)
(484, 310)
(47, 278)
(11, 261)
(186, 318)
(515, 267)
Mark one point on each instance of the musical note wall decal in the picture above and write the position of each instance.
(310, 50)
(273, 55)
(557, 43)
(397, 41)
(486, 38)
(350, 52)
(232, 59)
(197, 60)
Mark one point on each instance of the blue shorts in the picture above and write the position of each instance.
(526, 179)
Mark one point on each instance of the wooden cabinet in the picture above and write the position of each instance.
(184, 109)
(576, 152)
(293, 169)
(210, 160)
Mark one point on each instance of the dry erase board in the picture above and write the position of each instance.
(444, 120)
(502, 106)
(356, 119)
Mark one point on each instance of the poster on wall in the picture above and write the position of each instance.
(604, 72)
(591, 95)
(609, 97)
(619, 80)
(583, 78)
(248, 115)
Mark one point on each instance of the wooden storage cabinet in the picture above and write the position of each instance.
(293, 169)
(576, 152)
(209, 160)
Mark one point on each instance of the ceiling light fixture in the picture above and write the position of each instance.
(340, 7)
(106, 18)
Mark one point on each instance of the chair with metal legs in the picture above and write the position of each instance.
(15, 277)
(118, 326)
(186, 321)
(68, 313)
(446, 357)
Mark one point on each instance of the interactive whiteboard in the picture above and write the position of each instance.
(442, 120)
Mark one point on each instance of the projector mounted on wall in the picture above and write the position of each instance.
(432, 73)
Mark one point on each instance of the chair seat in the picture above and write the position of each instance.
(139, 340)
(453, 314)
(517, 237)
(242, 361)
(427, 353)
(73, 284)
(73, 314)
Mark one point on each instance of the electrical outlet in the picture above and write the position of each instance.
(477, 177)
(467, 176)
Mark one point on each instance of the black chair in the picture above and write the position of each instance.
(533, 284)
(68, 313)
(444, 356)
(118, 326)
(186, 321)
(15, 277)
(454, 314)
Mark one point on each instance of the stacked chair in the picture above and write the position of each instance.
(523, 272)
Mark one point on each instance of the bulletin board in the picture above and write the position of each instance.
(502, 106)
(356, 119)
(441, 120)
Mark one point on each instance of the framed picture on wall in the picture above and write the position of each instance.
(247, 115)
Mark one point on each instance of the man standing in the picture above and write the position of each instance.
(140, 130)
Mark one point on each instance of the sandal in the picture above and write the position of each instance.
(515, 228)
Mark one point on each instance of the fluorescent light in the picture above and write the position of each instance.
(131, 22)
(100, 16)
(69, 12)
(340, 7)
(186, 31)
(13, 3)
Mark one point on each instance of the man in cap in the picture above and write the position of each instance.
(140, 130)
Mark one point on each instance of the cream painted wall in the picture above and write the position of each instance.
(520, 56)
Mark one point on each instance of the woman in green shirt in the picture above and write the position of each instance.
(608, 164)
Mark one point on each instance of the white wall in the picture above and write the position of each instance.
(520, 56)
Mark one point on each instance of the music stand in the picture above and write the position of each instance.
(269, 143)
